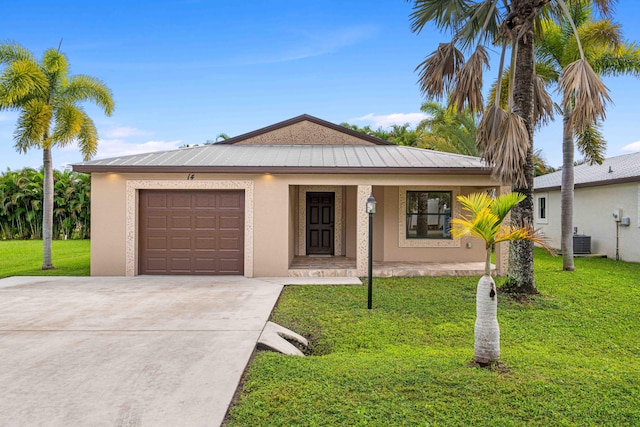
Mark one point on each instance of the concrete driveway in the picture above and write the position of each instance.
(106, 351)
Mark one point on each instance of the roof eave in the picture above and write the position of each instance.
(282, 170)
(630, 179)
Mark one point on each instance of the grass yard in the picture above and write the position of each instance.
(572, 354)
(24, 258)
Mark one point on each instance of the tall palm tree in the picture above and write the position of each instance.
(505, 136)
(602, 44)
(47, 99)
(484, 220)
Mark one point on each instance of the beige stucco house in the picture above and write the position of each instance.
(600, 191)
(254, 204)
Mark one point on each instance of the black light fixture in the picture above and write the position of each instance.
(371, 209)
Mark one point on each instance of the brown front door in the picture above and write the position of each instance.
(191, 232)
(320, 219)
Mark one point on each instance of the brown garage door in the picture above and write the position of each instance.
(191, 232)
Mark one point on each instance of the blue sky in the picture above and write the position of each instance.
(183, 72)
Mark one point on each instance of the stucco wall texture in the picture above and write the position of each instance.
(593, 216)
(273, 210)
(306, 133)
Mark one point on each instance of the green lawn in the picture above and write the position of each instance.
(572, 355)
(24, 258)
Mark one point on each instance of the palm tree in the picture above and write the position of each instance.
(47, 99)
(484, 221)
(601, 43)
(448, 130)
(505, 137)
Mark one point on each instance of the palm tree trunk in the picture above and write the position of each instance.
(486, 330)
(520, 273)
(566, 194)
(47, 210)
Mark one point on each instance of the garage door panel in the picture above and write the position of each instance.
(206, 265)
(229, 222)
(205, 222)
(157, 222)
(156, 264)
(204, 201)
(181, 221)
(156, 243)
(226, 243)
(178, 243)
(156, 201)
(179, 200)
(205, 243)
(191, 232)
(231, 201)
(229, 266)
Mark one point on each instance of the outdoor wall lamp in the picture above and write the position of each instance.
(371, 204)
(371, 209)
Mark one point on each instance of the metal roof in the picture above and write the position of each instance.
(236, 158)
(619, 169)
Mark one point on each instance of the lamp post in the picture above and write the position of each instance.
(371, 209)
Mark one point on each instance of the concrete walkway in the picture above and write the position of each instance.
(105, 351)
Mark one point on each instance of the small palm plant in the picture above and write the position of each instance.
(485, 221)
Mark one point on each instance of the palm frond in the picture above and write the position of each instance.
(581, 86)
(55, 63)
(601, 34)
(21, 80)
(69, 119)
(510, 233)
(502, 205)
(624, 60)
(475, 202)
(483, 225)
(591, 144)
(542, 102)
(446, 14)
(88, 139)
(467, 91)
(509, 160)
(436, 72)
(86, 88)
(488, 132)
(504, 90)
(482, 23)
(11, 52)
(33, 125)
(550, 42)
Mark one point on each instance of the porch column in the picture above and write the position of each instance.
(363, 230)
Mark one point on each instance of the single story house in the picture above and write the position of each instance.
(254, 203)
(606, 206)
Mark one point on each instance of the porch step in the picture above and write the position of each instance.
(422, 272)
(327, 272)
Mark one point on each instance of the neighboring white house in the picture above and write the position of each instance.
(606, 206)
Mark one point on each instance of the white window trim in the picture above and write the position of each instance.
(546, 208)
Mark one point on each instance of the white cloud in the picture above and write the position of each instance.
(118, 147)
(634, 146)
(388, 120)
(308, 44)
(124, 132)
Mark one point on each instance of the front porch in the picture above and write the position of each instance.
(341, 266)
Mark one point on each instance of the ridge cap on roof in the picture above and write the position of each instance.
(302, 118)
